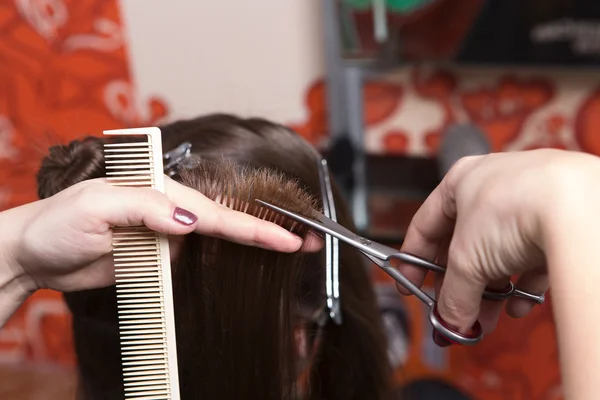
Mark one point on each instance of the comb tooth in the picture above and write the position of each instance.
(145, 295)
(132, 180)
(144, 362)
(135, 313)
(271, 215)
(137, 243)
(141, 183)
(152, 272)
(157, 356)
(142, 375)
(137, 156)
(126, 255)
(139, 371)
(132, 173)
(143, 276)
(152, 268)
(125, 163)
(139, 307)
(150, 393)
(149, 315)
(139, 290)
(132, 144)
(126, 349)
(134, 167)
(156, 379)
(148, 339)
(153, 384)
(139, 285)
(136, 248)
(139, 280)
(142, 331)
(129, 150)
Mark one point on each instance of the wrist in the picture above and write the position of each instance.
(570, 232)
(568, 197)
(15, 284)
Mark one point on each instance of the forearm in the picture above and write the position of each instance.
(15, 286)
(571, 244)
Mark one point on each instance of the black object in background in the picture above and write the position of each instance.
(431, 389)
(534, 32)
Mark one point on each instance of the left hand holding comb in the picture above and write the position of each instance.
(64, 242)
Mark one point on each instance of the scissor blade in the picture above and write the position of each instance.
(326, 225)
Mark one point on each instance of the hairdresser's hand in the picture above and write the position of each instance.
(489, 220)
(64, 242)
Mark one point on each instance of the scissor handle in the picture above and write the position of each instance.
(450, 333)
(489, 294)
(499, 294)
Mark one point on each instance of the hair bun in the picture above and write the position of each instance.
(65, 166)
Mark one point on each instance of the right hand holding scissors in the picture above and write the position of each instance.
(489, 220)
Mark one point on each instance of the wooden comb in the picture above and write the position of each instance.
(143, 275)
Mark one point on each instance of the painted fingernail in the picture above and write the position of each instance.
(184, 217)
(440, 340)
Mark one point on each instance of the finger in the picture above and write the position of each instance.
(534, 281)
(442, 259)
(459, 302)
(442, 255)
(100, 273)
(219, 221)
(490, 310)
(434, 220)
(312, 243)
(426, 233)
(128, 206)
(437, 284)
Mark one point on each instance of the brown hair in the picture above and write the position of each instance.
(237, 307)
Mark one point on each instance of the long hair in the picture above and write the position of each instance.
(243, 314)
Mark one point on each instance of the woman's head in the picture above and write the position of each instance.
(250, 322)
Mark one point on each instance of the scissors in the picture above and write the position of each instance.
(383, 255)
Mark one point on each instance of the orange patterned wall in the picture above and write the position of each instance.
(63, 73)
(405, 111)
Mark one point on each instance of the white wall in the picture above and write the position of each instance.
(246, 57)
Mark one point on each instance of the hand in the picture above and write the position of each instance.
(64, 242)
(489, 220)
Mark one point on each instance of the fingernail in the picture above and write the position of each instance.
(440, 340)
(184, 217)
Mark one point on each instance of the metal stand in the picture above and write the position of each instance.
(345, 119)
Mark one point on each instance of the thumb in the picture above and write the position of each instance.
(127, 206)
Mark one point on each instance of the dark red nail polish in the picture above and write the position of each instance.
(184, 217)
(440, 340)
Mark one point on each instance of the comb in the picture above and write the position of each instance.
(143, 275)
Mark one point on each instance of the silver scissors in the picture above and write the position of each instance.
(383, 255)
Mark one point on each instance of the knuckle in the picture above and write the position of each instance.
(462, 163)
(152, 198)
(456, 313)
(452, 308)
(467, 262)
(153, 201)
(87, 194)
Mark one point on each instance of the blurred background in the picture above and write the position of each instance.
(393, 91)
